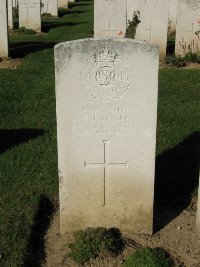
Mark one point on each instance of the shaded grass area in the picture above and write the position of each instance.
(28, 156)
(178, 143)
(28, 161)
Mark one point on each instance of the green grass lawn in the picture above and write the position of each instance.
(28, 156)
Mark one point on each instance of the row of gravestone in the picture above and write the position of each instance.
(110, 20)
(30, 12)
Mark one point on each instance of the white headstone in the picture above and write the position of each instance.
(110, 18)
(106, 95)
(10, 13)
(188, 24)
(50, 7)
(29, 14)
(62, 3)
(154, 23)
(173, 5)
(131, 7)
(198, 209)
(3, 29)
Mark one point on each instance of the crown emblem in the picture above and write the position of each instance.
(105, 55)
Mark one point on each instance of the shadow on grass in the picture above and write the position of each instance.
(21, 49)
(11, 138)
(47, 26)
(76, 4)
(68, 12)
(35, 251)
(177, 175)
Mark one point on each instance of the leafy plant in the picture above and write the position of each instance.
(176, 61)
(24, 31)
(179, 62)
(149, 257)
(133, 24)
(192, 57)
(90, 243)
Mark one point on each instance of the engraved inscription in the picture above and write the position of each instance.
(105, 76)
(106, 164)
(193, 4)
(101, 122)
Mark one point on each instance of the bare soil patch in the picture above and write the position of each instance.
(8, 63)
(178, 238)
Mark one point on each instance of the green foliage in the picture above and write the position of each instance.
(175, 61)
(48, 15)
(24, 31)
(90, 243)
(192, 57)
(133, 24)
(178, 61)
(148, 257)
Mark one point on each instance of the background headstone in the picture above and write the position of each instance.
(30, 14)
(62, 3)
(10, 13)
(188, 22)
(50, 7)
(173, 5)
(106, 95)
(3, 29)
(154, 23)
(15, 3)
(110, 18)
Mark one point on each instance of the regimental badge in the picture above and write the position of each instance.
(193, 4)
(105, 76)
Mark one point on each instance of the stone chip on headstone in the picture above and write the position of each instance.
(106, 95)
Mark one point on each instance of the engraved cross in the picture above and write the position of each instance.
(106, 164)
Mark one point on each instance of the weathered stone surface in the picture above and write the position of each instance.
(110, 18)
(30, 14)
(154, 23)
(10, 14)
(106, 95)
(3, 29)
(188, 27)
(49, 7)
(62, 3)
